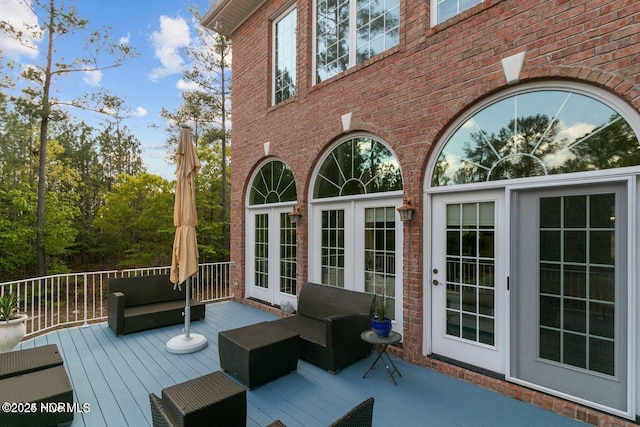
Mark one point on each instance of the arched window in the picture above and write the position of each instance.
(273, 183)
(359, 165)
(537, 133)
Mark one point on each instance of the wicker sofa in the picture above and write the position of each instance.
(329, 321)
(146, 302)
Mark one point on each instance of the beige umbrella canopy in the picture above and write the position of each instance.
(184, 260)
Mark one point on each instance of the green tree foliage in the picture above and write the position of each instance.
(18, 196)
(135, 225)
(56, 21)
(211, 230)
(91, 205)
(61, 209)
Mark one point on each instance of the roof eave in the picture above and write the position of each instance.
(225, 16)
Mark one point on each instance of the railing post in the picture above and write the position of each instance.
(86, 323)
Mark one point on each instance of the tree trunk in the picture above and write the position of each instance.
(44, 135)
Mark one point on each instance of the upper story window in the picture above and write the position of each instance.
(284, 56)
(441, 10)
(348, 32)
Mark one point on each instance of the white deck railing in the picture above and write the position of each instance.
(65, 300)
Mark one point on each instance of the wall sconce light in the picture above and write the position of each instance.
(406, 210)
(296, 214)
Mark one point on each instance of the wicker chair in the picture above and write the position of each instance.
(211, 400)
(359, 416)
(160, 416)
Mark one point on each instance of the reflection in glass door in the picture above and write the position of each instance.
(568, 295)
(471, 272)
(272, 271)
(288, 257)
(261, 258)
(333, 247)
(577, 281)
(380, 255)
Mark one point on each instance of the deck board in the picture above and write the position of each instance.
(115, 375)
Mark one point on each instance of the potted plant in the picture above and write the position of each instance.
(380, 323)
(12, 324)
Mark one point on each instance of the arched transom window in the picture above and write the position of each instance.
(534, 134)
(359, 165)
(273, 183)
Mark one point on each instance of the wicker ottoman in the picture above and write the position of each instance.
(42, 388)
(258, 353)
(37, 376)
(211, 400)
(29, 360)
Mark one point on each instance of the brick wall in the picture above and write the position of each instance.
(408, 96)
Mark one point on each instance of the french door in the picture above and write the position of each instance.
(569, 293)
(271, 260)
(468, 279)
(357, 245)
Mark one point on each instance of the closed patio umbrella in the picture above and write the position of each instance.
(184, 259)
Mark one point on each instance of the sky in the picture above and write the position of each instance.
(158, 30)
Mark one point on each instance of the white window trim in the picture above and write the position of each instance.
(434, 12)
(274, 43)
(353, 8)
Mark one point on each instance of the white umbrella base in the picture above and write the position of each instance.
(182, 345)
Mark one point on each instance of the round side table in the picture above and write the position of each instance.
(381, 344)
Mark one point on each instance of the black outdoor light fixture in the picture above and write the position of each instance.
(406, 210)
(296, 214)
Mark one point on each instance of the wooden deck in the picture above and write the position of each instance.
(114, 376)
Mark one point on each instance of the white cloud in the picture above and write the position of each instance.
(174, 34)
(575, 131)
(140, 112)
(125, 39)
(187, 86)
(21, 17)
(92, 77)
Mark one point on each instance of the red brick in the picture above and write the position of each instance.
(409, 96)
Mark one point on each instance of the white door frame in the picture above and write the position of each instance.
(272, 294)
(354, 220)
(489, 357)
(631, 176)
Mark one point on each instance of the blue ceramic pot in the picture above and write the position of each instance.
(381, 327)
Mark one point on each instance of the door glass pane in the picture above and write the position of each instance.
(577, 281)
(262, 251)
(332, 262)
(471, 271)
(287, 255)
(380, 255)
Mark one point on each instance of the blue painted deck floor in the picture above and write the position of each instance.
(114, 376)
